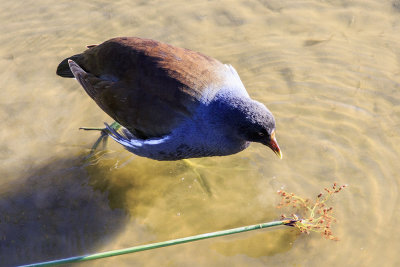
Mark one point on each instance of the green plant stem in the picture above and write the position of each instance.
(162, 244)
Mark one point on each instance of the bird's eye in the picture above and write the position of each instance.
(261, 134)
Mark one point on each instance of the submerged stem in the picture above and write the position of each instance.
(162, 244)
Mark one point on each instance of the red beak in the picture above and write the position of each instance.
(274, 146)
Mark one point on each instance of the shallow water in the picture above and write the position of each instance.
(328, 70)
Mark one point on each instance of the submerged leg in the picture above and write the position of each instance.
(103, 135)
(115, 126)
(202, 179)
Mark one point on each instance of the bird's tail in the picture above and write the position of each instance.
(63, 69)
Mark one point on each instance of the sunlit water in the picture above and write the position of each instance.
(328, 70)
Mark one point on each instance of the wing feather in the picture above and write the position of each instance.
(153, 86)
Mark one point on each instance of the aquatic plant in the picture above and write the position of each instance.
(312, 216)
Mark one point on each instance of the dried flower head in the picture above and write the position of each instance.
(316, 215)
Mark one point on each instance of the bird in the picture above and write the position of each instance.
(172, 103)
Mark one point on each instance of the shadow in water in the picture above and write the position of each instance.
(54, 213)
(71, 207)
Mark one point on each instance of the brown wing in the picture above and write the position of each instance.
(147, 86)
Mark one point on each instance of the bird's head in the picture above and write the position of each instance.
(258, 125)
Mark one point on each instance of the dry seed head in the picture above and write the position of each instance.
(310, 210)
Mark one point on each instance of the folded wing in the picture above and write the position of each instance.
(147, 86)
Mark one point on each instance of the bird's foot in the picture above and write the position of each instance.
(103, 135)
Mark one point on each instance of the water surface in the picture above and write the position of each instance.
(328, 70)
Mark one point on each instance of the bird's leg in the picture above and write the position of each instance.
(201, 179)
(103, 135)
